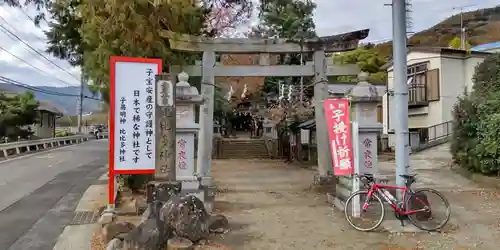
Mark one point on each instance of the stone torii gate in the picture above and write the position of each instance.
(264, 47)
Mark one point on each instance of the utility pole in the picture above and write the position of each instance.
(400, 89)
(80, 102)
(165, 125)
(463, 38)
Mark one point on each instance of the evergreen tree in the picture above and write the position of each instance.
(17, 111)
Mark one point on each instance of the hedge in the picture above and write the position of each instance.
(476, 136)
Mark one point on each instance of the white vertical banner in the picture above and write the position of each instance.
(356, 209)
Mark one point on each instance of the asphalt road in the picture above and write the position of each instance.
(39, 192)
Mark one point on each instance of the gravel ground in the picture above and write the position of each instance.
(270, 205)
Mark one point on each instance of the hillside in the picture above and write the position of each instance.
(483, 26)
(66, 104)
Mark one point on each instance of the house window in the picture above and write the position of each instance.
(417, 83)
(417, 68)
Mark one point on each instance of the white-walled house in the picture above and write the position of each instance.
(436, 78)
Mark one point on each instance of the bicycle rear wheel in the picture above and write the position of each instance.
(437, 207)
(361, 220)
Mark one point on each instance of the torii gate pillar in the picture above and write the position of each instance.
(320, 94)
(204, 161)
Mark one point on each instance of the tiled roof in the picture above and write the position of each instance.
(344, 88)
(487, 46)
(441, 51)
(48, 106)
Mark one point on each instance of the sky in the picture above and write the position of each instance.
(331, 17)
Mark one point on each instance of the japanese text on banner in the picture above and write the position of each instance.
(339, 131)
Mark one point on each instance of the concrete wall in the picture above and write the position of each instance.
(74, 129)
(457, 77)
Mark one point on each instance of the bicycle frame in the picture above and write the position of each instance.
(379, 189)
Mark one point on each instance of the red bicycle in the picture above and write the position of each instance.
(414, 205)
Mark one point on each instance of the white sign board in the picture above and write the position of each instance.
(134, 115)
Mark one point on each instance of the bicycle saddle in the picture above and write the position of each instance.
(408, 176)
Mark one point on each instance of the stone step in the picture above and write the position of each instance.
(243, 143)
(245, 151)
(245, 148)
(245, 157)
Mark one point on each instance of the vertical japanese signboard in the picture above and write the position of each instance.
(132, 115)
(339, 132)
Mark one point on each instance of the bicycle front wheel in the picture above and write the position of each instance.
(359, 219)
(435, 209)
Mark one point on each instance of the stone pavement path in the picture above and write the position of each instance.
(39, 192)
(270, 205)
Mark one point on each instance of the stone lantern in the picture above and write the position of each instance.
(364, 99)
(187, 97)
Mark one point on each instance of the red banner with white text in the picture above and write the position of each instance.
(338, 125)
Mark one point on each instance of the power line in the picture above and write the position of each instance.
(5, 31)
(36, 36)
(33, 66)
(36, 89)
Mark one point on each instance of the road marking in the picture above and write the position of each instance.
(57, 163)
(44, 151)
(48, 156)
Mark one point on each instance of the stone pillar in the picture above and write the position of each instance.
(320, 94)
(187, 97)
(217, 130)
(270, 131)
(364, 100)
(204, 162)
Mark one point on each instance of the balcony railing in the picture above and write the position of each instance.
(417, 95)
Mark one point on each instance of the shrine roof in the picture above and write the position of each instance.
(344, 88)
(309, 124)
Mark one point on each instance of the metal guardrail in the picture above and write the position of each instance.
(19, 147)
(431, 136)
